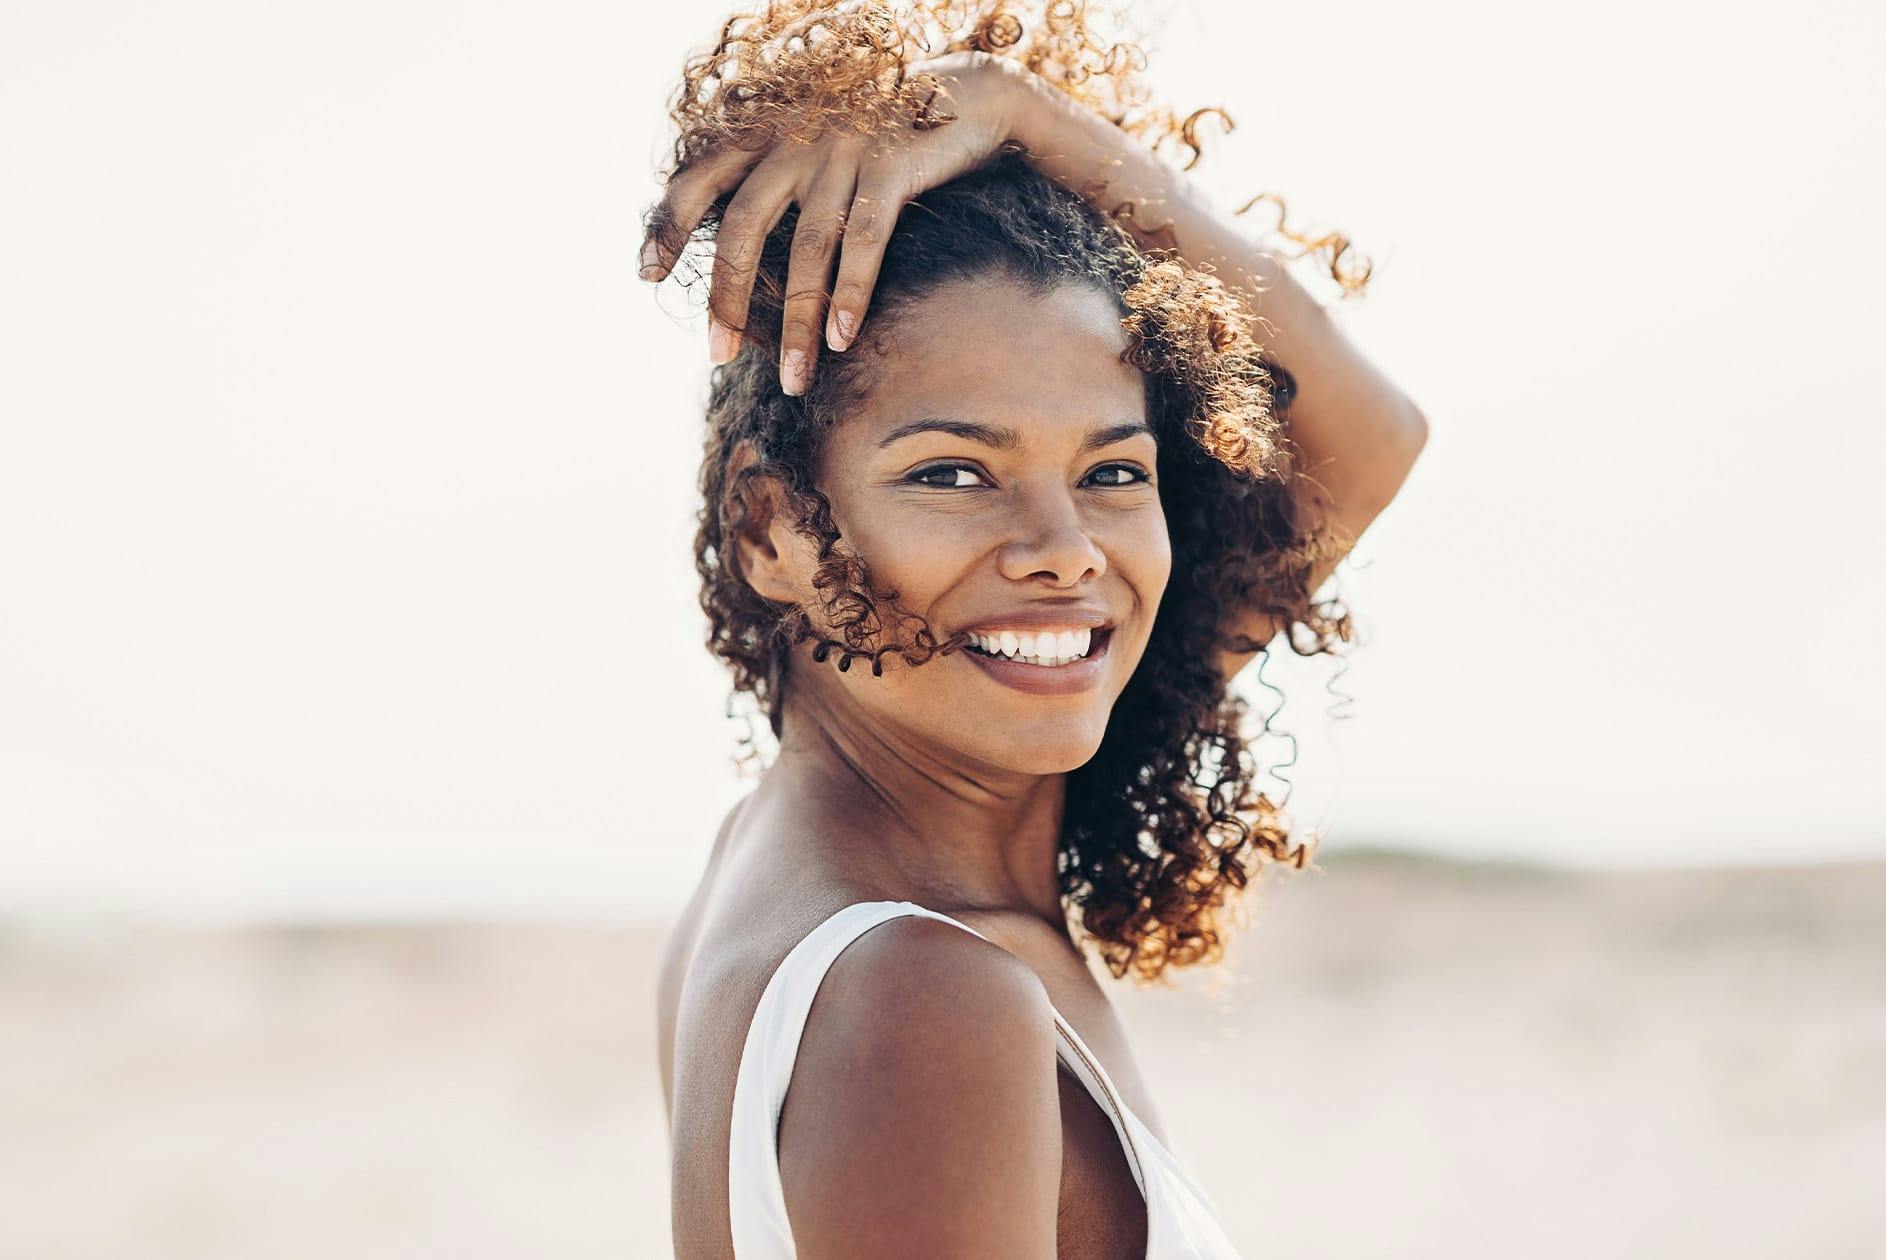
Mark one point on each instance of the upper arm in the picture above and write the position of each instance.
(922, 1117)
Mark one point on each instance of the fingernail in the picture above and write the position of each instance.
(651, 260)
(792, 372)
(847, 326)
(722, 342)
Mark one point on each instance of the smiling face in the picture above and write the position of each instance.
(1000, 477)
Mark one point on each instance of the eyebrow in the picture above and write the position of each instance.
(1006, 439)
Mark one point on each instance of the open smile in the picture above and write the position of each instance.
(1077, 675)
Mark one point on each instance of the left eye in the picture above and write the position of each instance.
(941, 470)
(1137, 475)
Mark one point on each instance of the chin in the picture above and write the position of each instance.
(1049, 752)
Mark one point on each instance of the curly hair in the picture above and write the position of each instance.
(1165, 822)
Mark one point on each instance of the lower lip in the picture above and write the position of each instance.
(1047, 680)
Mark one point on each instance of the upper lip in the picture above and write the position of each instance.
(1042, 619)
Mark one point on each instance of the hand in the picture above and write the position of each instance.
(849, 189)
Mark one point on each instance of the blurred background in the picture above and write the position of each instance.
(357, 743)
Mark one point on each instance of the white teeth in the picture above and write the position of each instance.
(1038, 648)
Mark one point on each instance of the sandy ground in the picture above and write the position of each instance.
(1401, 1058)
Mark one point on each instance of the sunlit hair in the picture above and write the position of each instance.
(1166, 820)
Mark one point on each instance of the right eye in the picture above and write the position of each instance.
(940, 470)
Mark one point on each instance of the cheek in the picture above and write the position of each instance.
(1142, 552)
(916, 554)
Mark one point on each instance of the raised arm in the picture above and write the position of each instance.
(1358, 434)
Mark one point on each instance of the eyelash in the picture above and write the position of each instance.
(917, 476)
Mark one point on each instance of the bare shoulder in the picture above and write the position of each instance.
(923, 1114)
(686, 928)
(677, 952)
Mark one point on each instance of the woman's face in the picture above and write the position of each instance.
(1001, 479)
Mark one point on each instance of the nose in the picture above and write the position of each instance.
(1051, 541)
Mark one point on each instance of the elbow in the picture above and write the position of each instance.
(1414, 425)
(1403, 439)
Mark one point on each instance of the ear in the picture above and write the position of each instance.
(771, 554)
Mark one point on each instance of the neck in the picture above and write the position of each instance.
(926, 823)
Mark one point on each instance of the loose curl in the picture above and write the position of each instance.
(1166, 821)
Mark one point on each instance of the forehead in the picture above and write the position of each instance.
(990, 350)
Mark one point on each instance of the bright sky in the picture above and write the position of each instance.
(346, 470)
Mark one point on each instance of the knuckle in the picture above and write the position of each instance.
(864, 228)
(871, 215)
(798, 331)
(813, 241)
(746, 214)
(802, 306)
(778, 163)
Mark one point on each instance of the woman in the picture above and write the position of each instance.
(990, 414)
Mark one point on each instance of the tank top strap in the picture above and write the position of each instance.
(756, 1198)
(1089, 1071)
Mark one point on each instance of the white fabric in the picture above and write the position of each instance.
(1182, 1220)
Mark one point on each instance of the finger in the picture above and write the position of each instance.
(809, 269)
(874, 212)
(744, 226)
(672, 220)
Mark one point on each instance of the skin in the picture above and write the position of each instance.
(938, 785)
(1358, 433)
(948, 750)
(935, 784)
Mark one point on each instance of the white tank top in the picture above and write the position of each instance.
(1182, 1221)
